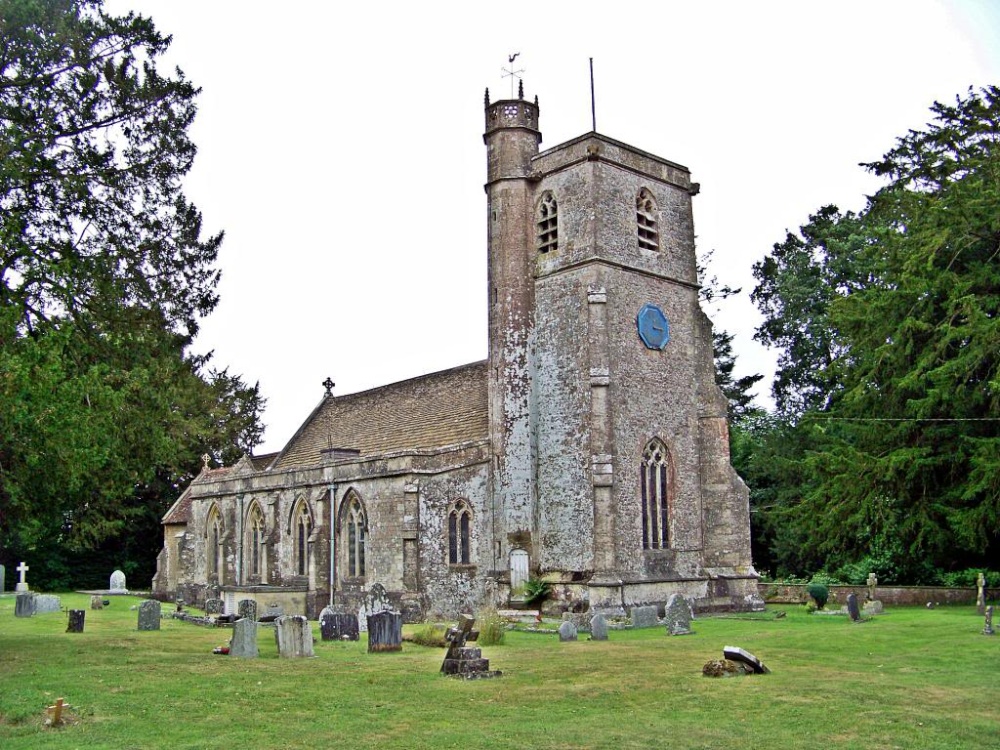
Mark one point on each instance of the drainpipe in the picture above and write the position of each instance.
(333, 539)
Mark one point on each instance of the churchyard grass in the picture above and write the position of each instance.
(912, 678)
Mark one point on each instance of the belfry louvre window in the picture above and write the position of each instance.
(656, 482)
(459, 533)
(548, 224)
(645, 218)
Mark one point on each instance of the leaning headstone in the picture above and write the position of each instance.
(117, 583)
(598, 628)
(149, 615)
(22, 585)
(97, 601)
(567, 631)
(247, 609)
(293, 636)
(213, 606)
(735, 653)
(24, 604)
(385, 631)
(852, 607)
(644, 617)
(244, 641)
(988, 629)
(981, 593)
(678, 615)
(76, 619)
(47, 603)
(462, 660)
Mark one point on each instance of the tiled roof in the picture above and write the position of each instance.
(180, 511)
(431, 411)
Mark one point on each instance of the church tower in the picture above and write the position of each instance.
(610, 468)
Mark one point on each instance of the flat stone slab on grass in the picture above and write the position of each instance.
(735, 653)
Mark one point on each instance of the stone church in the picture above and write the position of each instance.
(589, 449)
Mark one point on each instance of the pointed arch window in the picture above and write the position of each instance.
(548, 223)
(355, 534)
(656, 481)
(255, 542)
(645, 218)
(459, 534)
(214, 554)
(301, 528)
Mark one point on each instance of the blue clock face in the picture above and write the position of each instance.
(653, 327)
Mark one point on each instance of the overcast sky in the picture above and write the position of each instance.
(340, 148)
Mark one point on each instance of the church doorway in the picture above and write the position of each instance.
(518, 573)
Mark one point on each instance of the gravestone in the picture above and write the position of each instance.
(852, 607)
(872, 584)
(117, 583)
(735, 653)
(47, 603)
(247, 609)
(244, 641)
(149, 615)
(293, 636)
(97, 601)
(22, 585)
(3, 578)
(678, 615)
(598, 628)
(385, 631)
(873, 607)
(213, 606)
(567, 631)
(981, 594)
(988, 628)
(644, 617)
(24, 604)
(76, 619)
(337, 626)
(462, 660)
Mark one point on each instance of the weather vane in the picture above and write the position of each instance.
(512, 74)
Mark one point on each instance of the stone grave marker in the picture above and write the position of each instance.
(293, 636)
(852, 607)
(988, 628)
(244, 641)
(117, 582)
(338, 626)
(873, 607)
(97, 601)
(213, 606)
(872, 584)
(47, 603)
(76, 620)
(462, 660)
(376, 600)
(385, 631)
(644, 617)
(24, 604)
(735, 653)
(3, 578)
(247, 609)
(678, 615)
(22, 585)
(567, 631)
(981, 593)
(598, 628)
(149, 615)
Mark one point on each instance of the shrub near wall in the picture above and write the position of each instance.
(795, 593)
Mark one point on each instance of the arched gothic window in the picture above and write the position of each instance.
(656, 480)
(548, 223)
(459, 534)
(213, 545)
(355, 534)
(301, 528)
(645, 217)
(255, 542)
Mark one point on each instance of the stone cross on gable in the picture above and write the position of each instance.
(22, 569)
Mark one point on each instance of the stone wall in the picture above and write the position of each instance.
(788, 593)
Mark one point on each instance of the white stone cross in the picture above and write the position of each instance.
(22, 569)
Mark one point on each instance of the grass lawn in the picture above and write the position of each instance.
(912, 678)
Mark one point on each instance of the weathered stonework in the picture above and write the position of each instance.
(448, 489)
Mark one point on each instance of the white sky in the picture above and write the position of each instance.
(340, 148)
